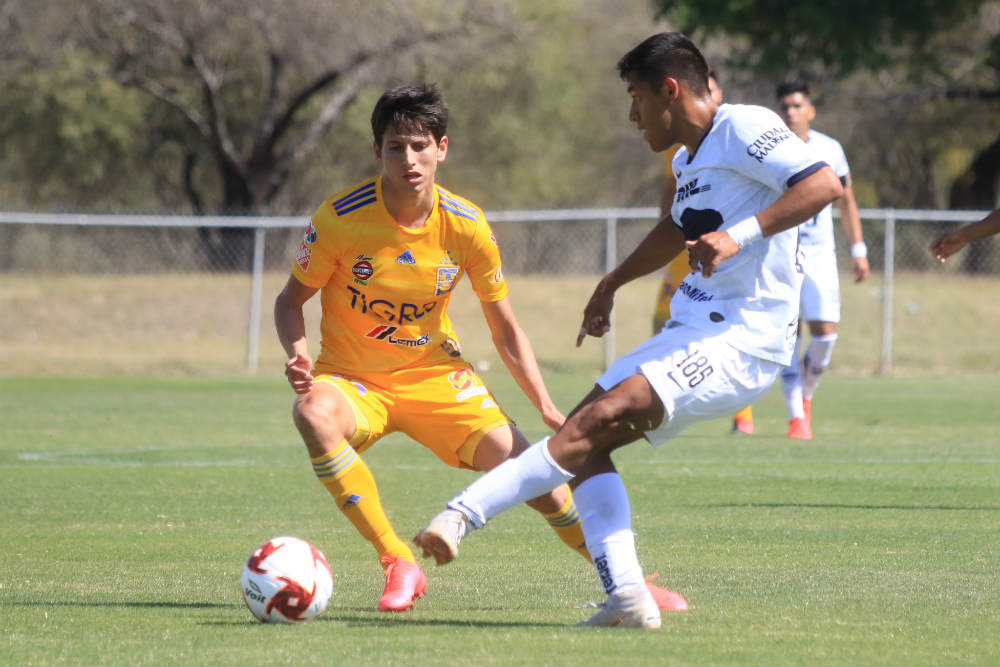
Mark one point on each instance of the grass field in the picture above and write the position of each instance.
(130, 505)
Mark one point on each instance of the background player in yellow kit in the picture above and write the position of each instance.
(678, 266)
(385, 254)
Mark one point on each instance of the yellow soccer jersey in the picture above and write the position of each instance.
(385, 288)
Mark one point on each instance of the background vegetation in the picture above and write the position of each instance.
(252, 106)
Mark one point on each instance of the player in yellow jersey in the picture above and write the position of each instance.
(385, 254)
(678, 266)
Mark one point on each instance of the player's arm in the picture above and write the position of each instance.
(667, 196)
(949, 243)
(798, 203)
(291, 326)
(515, 350)
(851, 220)
(664, 242)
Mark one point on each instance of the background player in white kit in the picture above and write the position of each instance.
(820, 306)
(743, 182)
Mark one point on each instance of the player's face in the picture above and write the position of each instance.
(797, 112)
(649, 111)
(409, 161)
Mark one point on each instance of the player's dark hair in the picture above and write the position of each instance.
(414, 108)
(792, 87)
(666, 54)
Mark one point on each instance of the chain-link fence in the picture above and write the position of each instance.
(163, 294)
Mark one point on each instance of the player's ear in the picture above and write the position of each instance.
(378, 150)
(442, 148)
(670, 88)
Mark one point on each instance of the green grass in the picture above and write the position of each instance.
(130, 505)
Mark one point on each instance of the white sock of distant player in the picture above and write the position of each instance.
(815, 362)
(607, 526)
(514, 481)
(791, 384)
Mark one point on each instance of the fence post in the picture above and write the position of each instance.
(256, 287)
(885, 367)
(610, 262)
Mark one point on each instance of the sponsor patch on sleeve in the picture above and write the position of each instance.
(303, 256)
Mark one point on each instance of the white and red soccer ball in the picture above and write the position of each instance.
(286, 580)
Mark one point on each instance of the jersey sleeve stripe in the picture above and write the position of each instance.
(348, 209)
(360, 192)
(808, 171)
(351, 199)
(458, 212)
(457, 204)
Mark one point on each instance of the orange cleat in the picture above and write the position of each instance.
(742, 425)
(807, 404)
(799, 429)
(404, 583)
(665, 600)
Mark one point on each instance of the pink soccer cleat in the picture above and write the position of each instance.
(799, 429)
(665, 600)
(404, 583)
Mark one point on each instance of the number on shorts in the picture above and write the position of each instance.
(695, 368)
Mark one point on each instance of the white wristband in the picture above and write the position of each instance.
(746, 232)
(859, 250)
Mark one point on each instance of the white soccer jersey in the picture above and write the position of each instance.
(745, 162)
(817, 233)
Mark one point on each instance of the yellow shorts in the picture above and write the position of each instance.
(445, 407)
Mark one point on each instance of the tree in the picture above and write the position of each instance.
(256, 86)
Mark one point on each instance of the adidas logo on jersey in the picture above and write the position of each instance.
(406, 258)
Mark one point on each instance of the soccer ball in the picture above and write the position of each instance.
(286, 580)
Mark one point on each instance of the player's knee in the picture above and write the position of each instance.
(602, 413)
(311, 412)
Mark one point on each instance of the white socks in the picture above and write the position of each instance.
(791, 384)
(606, 519)
(799, 379)
(815, 362)
(514, 481)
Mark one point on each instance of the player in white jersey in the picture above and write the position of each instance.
(744, 181)
(820, 307)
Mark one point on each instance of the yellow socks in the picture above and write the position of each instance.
(566, 523)
(347, 477)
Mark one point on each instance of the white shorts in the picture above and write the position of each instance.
(698, 376)
(820, 301)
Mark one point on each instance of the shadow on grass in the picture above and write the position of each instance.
(846, 506)
(391, 621)
(360, 617)
(107, 604)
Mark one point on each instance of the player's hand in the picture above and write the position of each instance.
(597, 314)
(947, 245)
(861, 269)
(298, 370)
(553, 418)
(709, 250)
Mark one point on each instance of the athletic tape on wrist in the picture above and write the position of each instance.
(746, 231)
(859, 250)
